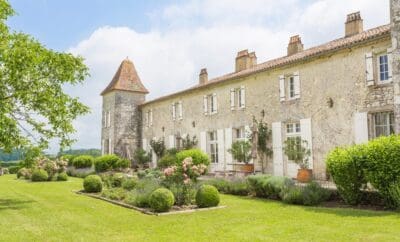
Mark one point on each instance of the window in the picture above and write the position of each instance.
(238, 98)
(239, 134)
(210, 105)
(177, 110)
(383, 123)
(106, 119)
(149, 118)
(213, 146)
(293, 128)
(383, 62)
(291, 87)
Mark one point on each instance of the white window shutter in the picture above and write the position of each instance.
(221, 147)
(215, 104)
(110, 151)
(173, 106)
(171, 141)
(306, 134)
(108, 119)
(360, 128)
(151, 117)
(390, 60)
(180, 110)
(242, 97)
(228, 145)
(102, 147)
(296, 78)
(282, 88)
(232, 99)
(203, 141)
(277, 148)
(205, 104)
(144, 144)
(369, 69)
(104, 119)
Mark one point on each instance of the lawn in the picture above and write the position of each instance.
(52, 212)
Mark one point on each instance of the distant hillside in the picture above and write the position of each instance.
(13, 156)
(92, 152)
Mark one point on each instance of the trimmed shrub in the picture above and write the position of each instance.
(167, 161)
(257, 183)
(238, 187)
(268, 186)
(394, 192)
(141, 174)
(198, 156)
(117, 179)
(122, 164)
(129, 184)
(83, 161)
(13, 169)
(153, 173)
(345, 165)
(293, 195)
(69, 159)
(161, 200)
(39, 175)
(24, 172)
(105, 163)
(143, 190)
(6, 171)
(222, 185)
(62, 176)
(92, 183)
(207, 196)
(314, 194)
(114, 193)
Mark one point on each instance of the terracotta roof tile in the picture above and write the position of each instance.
(126, 79)
(308, 53)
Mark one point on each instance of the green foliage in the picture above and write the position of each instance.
(69, 159)
(189, 143)
(296, 150)
(62, 176)
(105, 163)
(268, 186)
(30, 155)
(222, 185)
(345, 165)
(310, 195)
(117, 179)
(117, 193)
(294, 195)
(394, 192)
(161, 200)
(141, 174)
(184, 193)
(92, 184)
(167, 161)
(198, 156)
(24, 173)
(129, 184)
(39, 175)
(141, 156)
(32, 78)
(13, 169)
(122, 163)
(263, 138)
(158, 147)
(238, 187)
(241, 151)
(207, 196)
(83, 161)
(141, 194)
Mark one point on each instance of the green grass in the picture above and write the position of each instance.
(52, 212)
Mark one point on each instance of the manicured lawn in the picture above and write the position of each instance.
(51, 212)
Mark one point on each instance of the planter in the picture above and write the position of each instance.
(247, 168)
(304, 175)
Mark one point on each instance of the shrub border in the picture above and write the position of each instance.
(144, 210)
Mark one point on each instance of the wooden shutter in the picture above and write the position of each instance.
(282, 88)
(232, 99)
(369, 69)
(221, 148)
(242, 97)
(228, 145)
(215, 104)
(205, 104)
(360, 128)
(296, 78)
(306, 134)
(277, 148)
(180, 110)
(173, 106)
(203, 141)
(390, 60)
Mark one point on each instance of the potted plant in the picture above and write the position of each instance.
(241, 151)
(296, 150)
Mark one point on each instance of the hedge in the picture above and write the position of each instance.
(83, 161)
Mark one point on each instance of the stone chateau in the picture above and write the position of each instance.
(342, 92)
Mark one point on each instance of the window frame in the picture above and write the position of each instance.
(378, 63)
(212, 146)
(388, 126)
(291, 88)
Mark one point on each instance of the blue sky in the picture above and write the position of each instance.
(170, 41)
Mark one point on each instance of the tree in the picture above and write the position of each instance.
(261, 138)
(241, 151)
(33, 106)
(296, 150)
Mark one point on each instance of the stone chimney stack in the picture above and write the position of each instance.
(354, 24)
(203, 77)
(295, 45)
(245, 60)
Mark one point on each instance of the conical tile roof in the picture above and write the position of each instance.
(126, 79)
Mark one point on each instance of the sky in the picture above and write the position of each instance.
(170, 41)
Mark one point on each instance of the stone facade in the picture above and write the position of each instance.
(330, 94)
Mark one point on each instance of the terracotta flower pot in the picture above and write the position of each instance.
(249, 168)
(304, 175)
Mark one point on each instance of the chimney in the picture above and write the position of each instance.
(245, 60)
(354, 24)
(203, 77)
(295, 45)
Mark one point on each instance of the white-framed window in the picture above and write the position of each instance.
(177, 110)
(292, 94)
(383, 123)
(213, 146)
(149, 118)
(104, 119)
(239, 134)
(293, 129)
(210, 105)
(238, 98)
(107, 119)
(383, 67)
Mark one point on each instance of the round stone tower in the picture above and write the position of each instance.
(121, 122)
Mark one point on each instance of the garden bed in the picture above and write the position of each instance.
(174, 209)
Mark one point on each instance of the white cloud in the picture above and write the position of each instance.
(197, 34)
